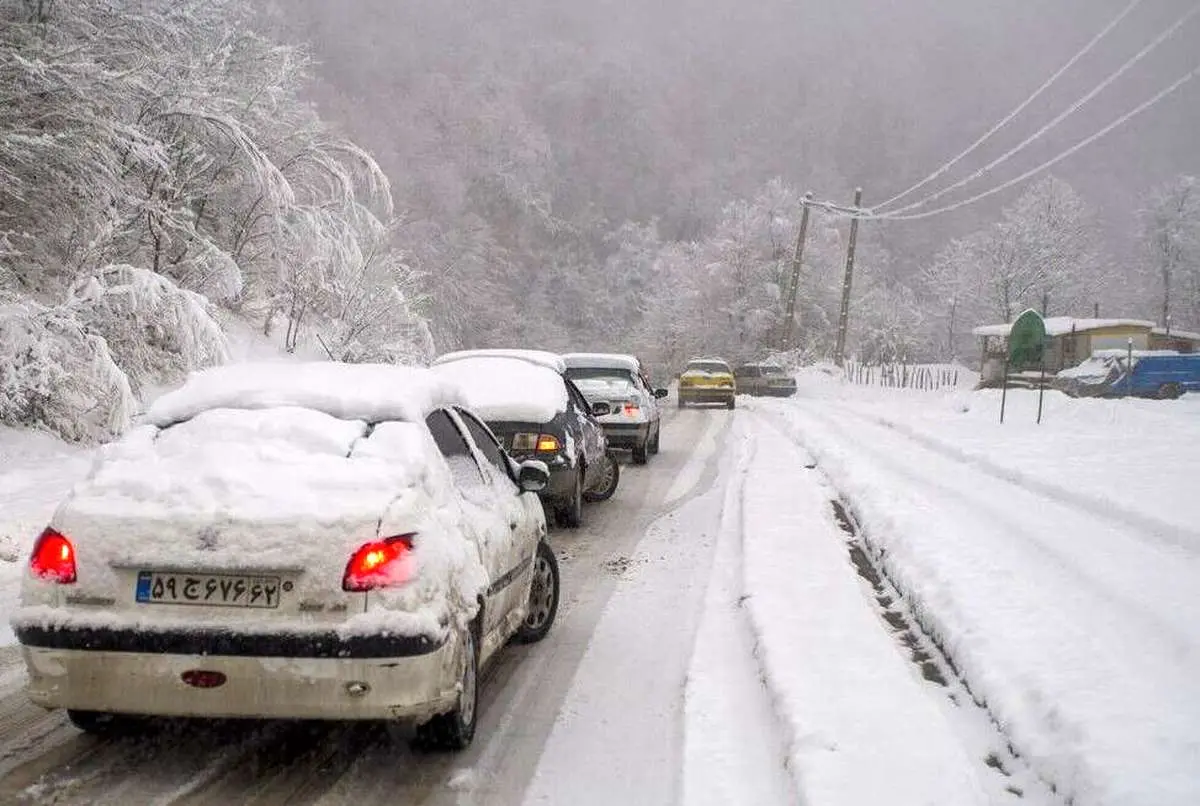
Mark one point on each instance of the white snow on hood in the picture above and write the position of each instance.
(370, 392)
(504, 389)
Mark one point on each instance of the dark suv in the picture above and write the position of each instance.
(537, 413)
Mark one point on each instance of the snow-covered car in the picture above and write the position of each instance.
(707, 380)
(766, 379)
(634, 420)
(316, 541)
(538, 413)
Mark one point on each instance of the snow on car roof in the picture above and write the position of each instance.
(541, 358)
(602, 361)
(370, 392)
(501, 387)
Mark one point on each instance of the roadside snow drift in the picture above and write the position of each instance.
(1058, 565)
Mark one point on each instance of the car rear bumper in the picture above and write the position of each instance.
(265, 686)
(707, 394)
(626, 436)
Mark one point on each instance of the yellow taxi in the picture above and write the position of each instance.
(707, 380)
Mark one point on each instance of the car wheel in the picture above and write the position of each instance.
(570, 514)
(640, 452)
(610, 475)
(1169, 391)
(456, 729)
(654, 442)
(732, 403)
(543, 596)
(681, 403)
(98, 723)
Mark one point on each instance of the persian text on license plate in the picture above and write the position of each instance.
(214, 590)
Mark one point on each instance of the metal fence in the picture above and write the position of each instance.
(922, 377)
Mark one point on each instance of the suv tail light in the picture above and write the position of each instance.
(53, 558)
(631, 409)
(380, 564)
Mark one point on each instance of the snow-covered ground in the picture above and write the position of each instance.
(1057, 565)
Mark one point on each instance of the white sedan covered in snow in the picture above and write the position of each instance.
(318, 541)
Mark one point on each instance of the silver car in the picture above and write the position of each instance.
(634, 421)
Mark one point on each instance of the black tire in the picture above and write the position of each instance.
(455, 730)
(1169, 391)
(654, 442)
(731, 404)
(98, 723)
(681, 402)
(570, 513)
(543, 597)
(640, 452)
(609, 479)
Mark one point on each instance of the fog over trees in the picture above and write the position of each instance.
(387, 180)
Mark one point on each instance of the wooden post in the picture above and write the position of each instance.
(789, 319)
(839, 352)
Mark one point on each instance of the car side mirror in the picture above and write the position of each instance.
(533, 476)
(661, 393)
(600, 408)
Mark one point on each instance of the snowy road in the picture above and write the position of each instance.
(44, 760)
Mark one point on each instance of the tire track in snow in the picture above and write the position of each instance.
(926, 652)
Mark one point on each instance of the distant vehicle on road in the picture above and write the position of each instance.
(707, 380)
(764, 379)
(634, 420)
(1156, 374)
(294, 541)
(538, 413)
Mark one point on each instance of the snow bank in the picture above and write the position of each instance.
(864, 727)
(1057, 564)
(370, 392)
(502, 388)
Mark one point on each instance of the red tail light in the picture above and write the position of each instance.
(203, 678)
(379, 564)
(631, 409)
(53, 558)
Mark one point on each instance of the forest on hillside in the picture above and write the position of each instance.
(396, 180)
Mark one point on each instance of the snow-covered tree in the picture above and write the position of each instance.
(1170, 231)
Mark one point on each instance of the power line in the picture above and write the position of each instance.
(1144, 52)
(1019, 109)
(1045, 165)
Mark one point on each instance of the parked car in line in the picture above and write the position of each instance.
(634, 421)
(764, 379)
(538, 413)
(707, 380)
(297, 541)
(1159, 374)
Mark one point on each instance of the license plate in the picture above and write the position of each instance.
(214, 590)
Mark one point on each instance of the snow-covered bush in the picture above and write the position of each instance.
(55, 375)
(155, 330)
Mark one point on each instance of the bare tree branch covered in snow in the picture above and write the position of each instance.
(1170, 227)
(159, 157)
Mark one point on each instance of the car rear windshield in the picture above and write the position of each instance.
(583, 374)
(707, 366)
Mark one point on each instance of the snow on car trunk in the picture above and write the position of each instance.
(278, 496)
(501, 388)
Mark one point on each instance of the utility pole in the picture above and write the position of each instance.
(789, 319)
(839, 353)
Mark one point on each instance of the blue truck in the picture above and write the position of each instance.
(1154, 373)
